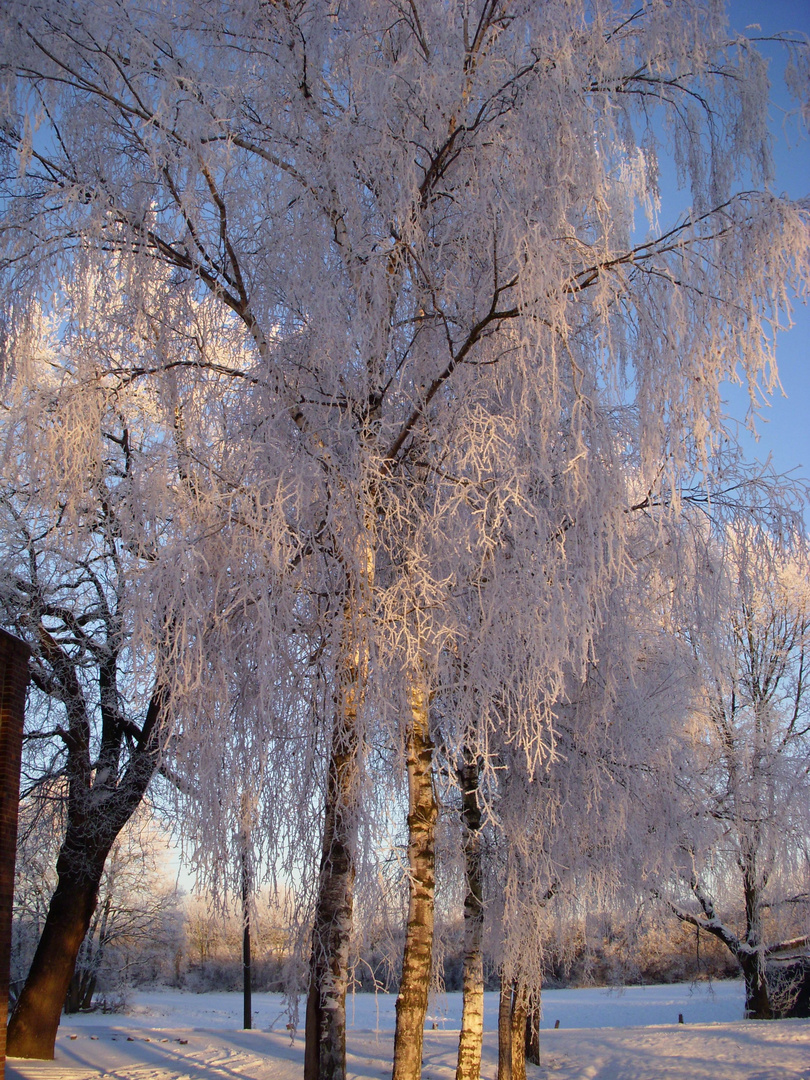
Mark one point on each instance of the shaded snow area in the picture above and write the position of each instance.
(630, 1034)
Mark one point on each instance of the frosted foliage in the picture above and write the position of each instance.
(85, 486)
(134, 535)
(376, 270)
(592, 826)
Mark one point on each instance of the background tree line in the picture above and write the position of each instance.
(148, 933)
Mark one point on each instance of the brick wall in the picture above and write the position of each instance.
(13, 682)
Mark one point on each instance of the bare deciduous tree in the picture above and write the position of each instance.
(745, 792)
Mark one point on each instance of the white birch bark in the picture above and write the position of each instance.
(418, 954)
(325, 1050)
(472, 1014)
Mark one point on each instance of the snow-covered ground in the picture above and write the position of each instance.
(630, 1034)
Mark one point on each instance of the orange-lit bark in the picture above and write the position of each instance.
(512, 1016)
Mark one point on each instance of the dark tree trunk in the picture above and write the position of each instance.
(749, 954)
(91, 954)
(35, 1020)
(533, 1029)
(88, 990)
(325, 1053)
(325, 1038)
(247, 1007)
(757, 997)
(472, 1014)
(95, 818)
(77, 991)
(418, 955)
(81, 990)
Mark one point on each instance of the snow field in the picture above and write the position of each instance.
(628, 1034)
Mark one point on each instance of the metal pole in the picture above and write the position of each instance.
(246, 971)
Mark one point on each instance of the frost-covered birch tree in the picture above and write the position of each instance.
(422, 219)
(588, 823)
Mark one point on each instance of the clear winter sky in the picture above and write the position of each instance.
(784, 429)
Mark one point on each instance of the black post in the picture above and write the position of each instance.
(246, 989)
(248, 1015)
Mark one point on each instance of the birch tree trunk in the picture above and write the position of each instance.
(325, 1050)
(505, 1029)
(472, 1014)
(520, 1002)
(513, 1007)
(418, 954)
(325, 1026)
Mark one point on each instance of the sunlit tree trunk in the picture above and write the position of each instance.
(472, 1013)
(520, 1001)
(418, 954)
(505, 1029)
(513, 1006)
(35, 1020)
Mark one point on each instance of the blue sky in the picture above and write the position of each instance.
(784, 428)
